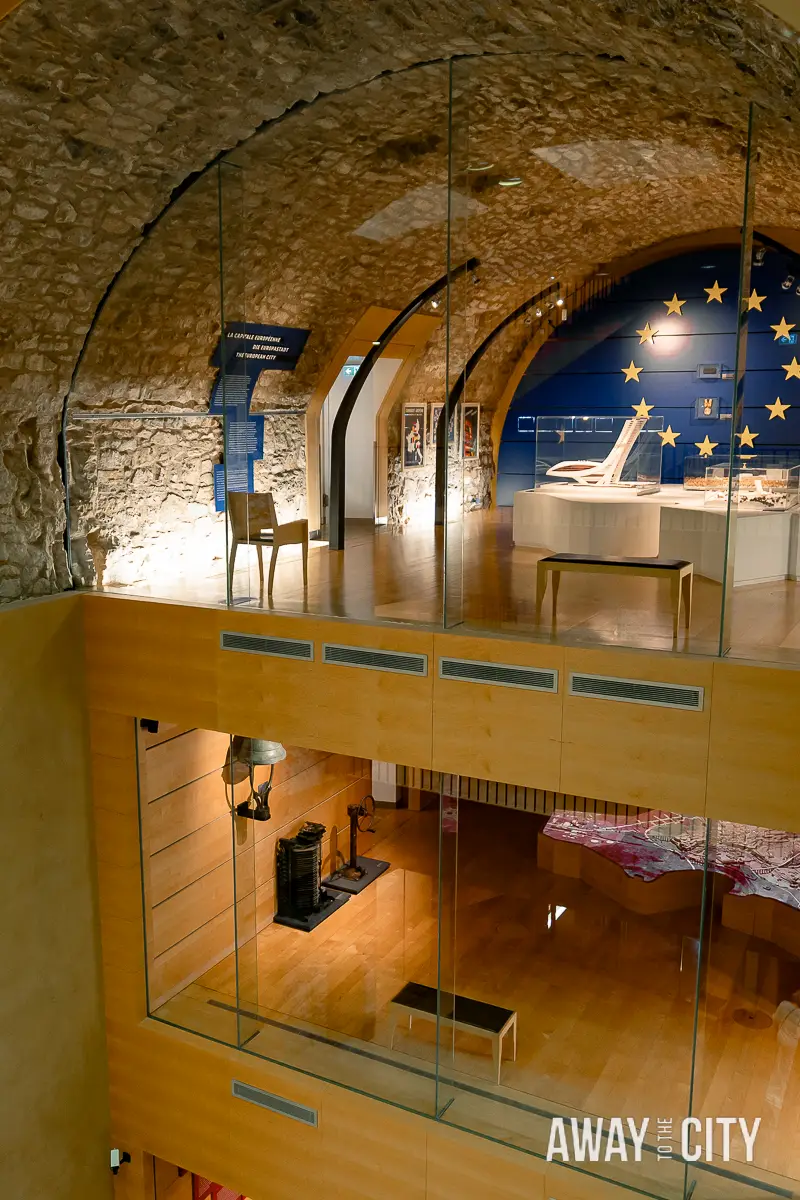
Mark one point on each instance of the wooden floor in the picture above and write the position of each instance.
(491, 586)
(605, 997)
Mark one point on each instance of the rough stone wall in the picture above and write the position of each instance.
(105, 115)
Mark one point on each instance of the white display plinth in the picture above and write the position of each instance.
(671, 523)
(575, 519)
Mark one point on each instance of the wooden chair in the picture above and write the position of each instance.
(254, 522)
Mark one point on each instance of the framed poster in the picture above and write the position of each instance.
(471, 436)
(434, 421)
(413, 436)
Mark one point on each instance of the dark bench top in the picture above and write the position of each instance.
(476, 1013)
(607, 560)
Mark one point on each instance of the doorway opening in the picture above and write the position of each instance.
(361, 500)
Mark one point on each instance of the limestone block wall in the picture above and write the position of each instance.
(106, 118)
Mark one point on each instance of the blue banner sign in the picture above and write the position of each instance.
(250, 349)
(231, 391)
(240, 479)
(245, 437)
(241, 355)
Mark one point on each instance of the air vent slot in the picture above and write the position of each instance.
(637, 691)
(375, 660)
(274, 647)
(276, 1104)
(468, 670)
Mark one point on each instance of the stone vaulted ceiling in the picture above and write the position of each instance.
(342, 143)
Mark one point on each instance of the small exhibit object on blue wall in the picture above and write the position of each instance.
(706, 408)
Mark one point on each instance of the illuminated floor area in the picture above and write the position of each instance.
(605, 997)
(397, 576)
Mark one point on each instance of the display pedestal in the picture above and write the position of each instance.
(372, 868)
(671, 523)
(571, 519)
(306, 924)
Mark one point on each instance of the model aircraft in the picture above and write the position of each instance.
(607, 472)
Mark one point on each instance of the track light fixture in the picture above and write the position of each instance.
(760, 255)
(787, 283)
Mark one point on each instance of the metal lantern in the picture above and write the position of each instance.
(244, 756)
(262, 753)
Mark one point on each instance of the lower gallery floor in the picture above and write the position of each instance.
(605, 994)
(491, 586)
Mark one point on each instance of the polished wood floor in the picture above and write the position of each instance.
(606, 998)
(491, 586)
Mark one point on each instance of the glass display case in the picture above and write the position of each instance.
(695, 468)
(598, 452)
(755, 487)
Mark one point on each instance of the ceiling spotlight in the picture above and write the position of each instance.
(552, 277)
(539, 312)
(475, 278)
(512, 181)
(481, 167)
(787, 283)
(434, 303)
(760, 255)
(560, 302)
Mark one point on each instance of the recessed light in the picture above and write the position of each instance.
(434, 303)
(539, 312)
(481, 167)
(560, 302)
(513, 181)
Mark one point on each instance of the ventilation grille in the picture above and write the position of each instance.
(533, 679)
(375, 660)
(637, 691)
(275, 647)
(276, 1104)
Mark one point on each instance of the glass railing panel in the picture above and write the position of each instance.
(300, 891)
(607, 296)
(762, 597)
(576, 929)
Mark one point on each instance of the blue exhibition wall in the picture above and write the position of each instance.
(580, 370)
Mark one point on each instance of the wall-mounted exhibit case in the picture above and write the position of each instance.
(479, 979)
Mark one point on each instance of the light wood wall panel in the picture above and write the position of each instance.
(165, 661)
(754, 759)
(636, 753)
(500, 733)
(171, 1091)
(54, 1133)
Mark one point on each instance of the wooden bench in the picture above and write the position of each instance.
(472, 1016)
(677, 570)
